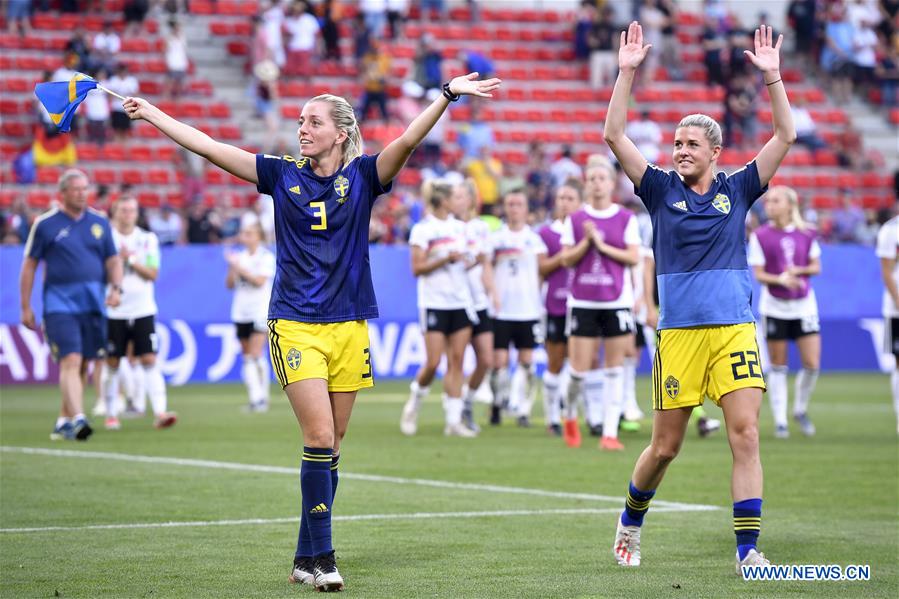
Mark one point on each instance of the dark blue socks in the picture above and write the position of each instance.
(318, 481)
(747, 524)
(636, 505)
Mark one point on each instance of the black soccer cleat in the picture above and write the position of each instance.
(596, 430)
(495, 415)
(82, 429)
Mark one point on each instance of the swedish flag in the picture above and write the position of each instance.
(61, 98)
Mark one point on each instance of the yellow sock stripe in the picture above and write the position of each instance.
(637, 505)
(747, 520)
(277, 357)
(307, 458)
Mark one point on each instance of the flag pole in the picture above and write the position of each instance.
(109, 91)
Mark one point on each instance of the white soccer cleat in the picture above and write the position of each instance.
(302, 573)
(326, 578)
(409, 419)
(634, 415)
(753, 558)
(99, 409)
(627, 545)
(459, 430)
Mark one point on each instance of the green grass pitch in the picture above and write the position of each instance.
(831, 499)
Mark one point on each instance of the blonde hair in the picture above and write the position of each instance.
(793, 199)
(709, 126)
(576, 184)
(344, 119)
(435, 191)
(600, 161)
(471, 188)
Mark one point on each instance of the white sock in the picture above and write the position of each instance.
(265, 377)
(777, 394)
(517, 390)
(805, 386)
(126, 380)
(139, 399)
(156, 389)
(61, 420)
(573, 394)
(629, 370)
(111, 391)
(452, 408)
(417, 392)
(552, 413)
(614, 399)
(500, 382)
(894, 385)
(593, 396)
(249, 372)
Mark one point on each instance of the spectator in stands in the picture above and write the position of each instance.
(602, 44)
(738, 42)
(432, 145)
(18, 13)
(836, 57)
(564, 168)
(167, 225)
(408, 106)
(96, 109)
(653, 21)
(303, 28)
(200, 226)
(537, 178)
(802, 18)
(428, 65)
(135, 13)
(331, 16)
(806, 129)
(670, 50)
(486, 171)
(586, 15)
(476, 62)
(887, 74)
(713, 45)
(850, 151)
(848, 219)
(432, 8)
(375, 69)
(176, 61)
(78, 44)
(740, 111)
(192, 171)
(124, 84)
(374, 12)
(397, 11)
(646, 135)
(864, 56)
(476, 134)
(265, 98)
(106, 47)
(361, 39)
(18, 222)
(273, 23)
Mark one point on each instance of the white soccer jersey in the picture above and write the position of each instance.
(477, 233)
(138, 294)
(516, 273)
(250, 303)
(445, 288)
(631, 237)
(887, 242)
(775, 307)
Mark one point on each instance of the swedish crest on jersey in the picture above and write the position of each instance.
(721, 203)
(97, 230)
(341, 186)
(672, 387)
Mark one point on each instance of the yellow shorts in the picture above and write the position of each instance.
(696, 362)
(337, 352)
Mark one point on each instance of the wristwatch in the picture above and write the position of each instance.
(450, 95)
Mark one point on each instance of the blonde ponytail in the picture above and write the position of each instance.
(795, 211)
(345, 119)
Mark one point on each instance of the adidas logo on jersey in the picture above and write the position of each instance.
(319, 509)
(295, 189)
(681, 205)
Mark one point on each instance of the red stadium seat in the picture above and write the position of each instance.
(158, 176)
(105, 176)
(137, 153)
(133, 176)
(48, 175)
(39, 198)
(149, 199)
(113, 152)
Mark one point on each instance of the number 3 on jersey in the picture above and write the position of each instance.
(319, 212)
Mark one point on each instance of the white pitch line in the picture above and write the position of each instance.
(355, 518)
(422, 482)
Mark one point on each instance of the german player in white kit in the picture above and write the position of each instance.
(438, 246)
(601, 241)
(133, 320)
(783, 254)
(517, 253)
(888, 252)
(480, 284)
(250, 274)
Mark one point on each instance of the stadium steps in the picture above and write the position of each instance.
(875, 128)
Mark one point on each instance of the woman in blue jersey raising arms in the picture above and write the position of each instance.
(322, 293)
(706, 342)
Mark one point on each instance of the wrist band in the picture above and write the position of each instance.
(448, 94)
(773, 82)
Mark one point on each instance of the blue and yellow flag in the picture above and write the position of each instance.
(61, 98)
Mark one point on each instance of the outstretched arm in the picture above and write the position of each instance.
(239, 163)
(395, 155)
(630, 54)
(767, 59)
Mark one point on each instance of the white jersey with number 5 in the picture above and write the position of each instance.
(516, 275)
(250, 303)
(138, 294)
(887, 244)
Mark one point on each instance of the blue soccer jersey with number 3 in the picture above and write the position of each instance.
(321, 224)
(699, 242)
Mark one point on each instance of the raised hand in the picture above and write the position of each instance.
(631, 50)
(767, 55)
(470, 85)
(137, 108)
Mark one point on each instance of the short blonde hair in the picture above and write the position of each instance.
(344, 119)
(709, 126)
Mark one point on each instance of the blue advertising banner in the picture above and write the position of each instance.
(198, 343)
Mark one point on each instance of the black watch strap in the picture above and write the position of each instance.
(448, 94)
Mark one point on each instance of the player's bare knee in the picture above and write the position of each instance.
(323, 437)
(148, 360)
(70, 362)
(665, 452)
(744, 439)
